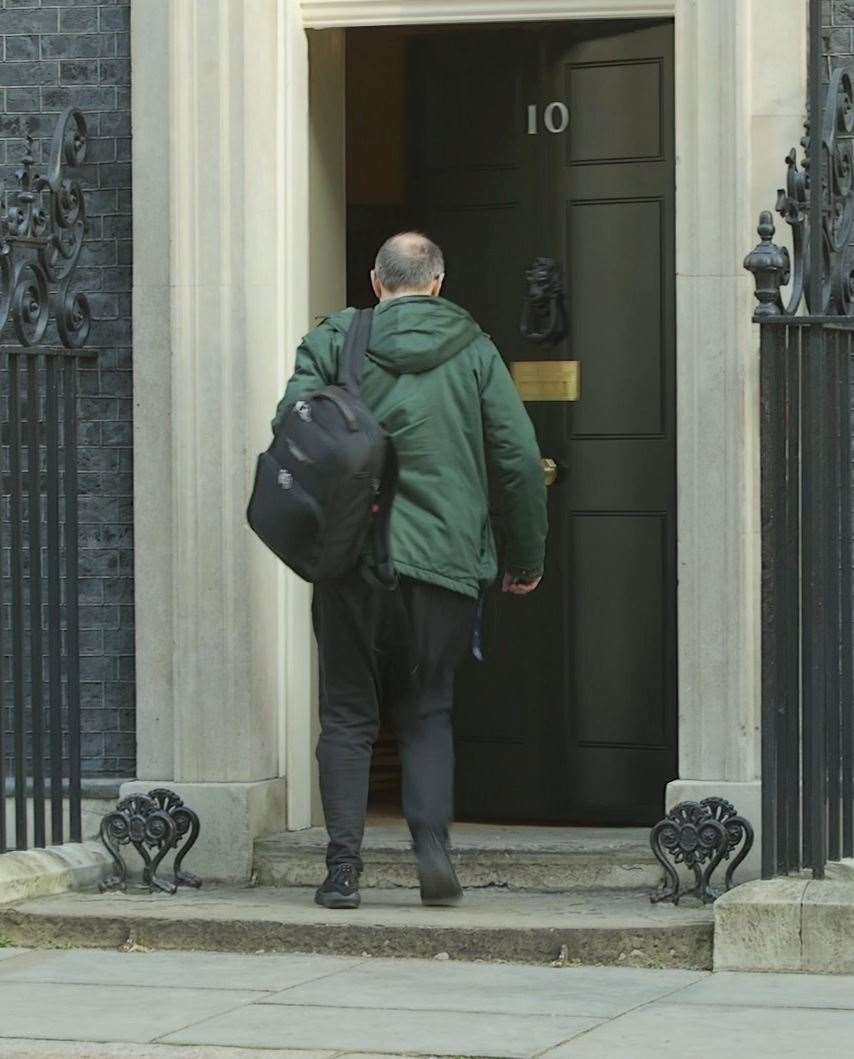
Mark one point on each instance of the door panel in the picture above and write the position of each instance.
(616, 111)
(572, 716)
(617, 577)
(606, 242)
(598, 480)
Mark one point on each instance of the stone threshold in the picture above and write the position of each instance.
(603, 928)
(526, 858)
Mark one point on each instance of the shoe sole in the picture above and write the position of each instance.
(337, 900)
(440, 887)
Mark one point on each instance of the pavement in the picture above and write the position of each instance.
(100, 1004)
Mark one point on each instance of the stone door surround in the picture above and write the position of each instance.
(221, 296)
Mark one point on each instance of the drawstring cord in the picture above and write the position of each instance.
(477, 632)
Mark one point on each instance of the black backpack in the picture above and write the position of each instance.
(328, 478)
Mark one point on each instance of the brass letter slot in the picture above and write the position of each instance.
(548, 380)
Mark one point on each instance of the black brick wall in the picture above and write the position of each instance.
(837, 25)
(59, 53)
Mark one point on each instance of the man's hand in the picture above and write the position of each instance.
(517, 587)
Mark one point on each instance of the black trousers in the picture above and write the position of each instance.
(400, 648)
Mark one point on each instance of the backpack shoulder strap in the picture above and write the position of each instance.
(355, 347)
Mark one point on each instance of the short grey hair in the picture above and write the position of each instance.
(409, 261)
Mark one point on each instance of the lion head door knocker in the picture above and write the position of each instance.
(544, 315)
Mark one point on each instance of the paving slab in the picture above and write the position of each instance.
(617, 927)
(19, 1048)
(264, 1025)
(592, 992)
(107, 1013)
(732, 988)
(669, 1031)
(372, 1008)
(202, 970)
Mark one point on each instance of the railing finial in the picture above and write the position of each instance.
(834, 186)
(770, 266)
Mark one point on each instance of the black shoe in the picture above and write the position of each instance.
(340, 888)
(439, 882)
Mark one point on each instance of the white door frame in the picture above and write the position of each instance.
(329, 14)
(737, 105)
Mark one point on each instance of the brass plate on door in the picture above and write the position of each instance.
(548, 380)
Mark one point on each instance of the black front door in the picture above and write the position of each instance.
(557, 140)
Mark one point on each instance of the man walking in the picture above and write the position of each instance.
(439, 387)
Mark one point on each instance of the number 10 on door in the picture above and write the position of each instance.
(555, 118)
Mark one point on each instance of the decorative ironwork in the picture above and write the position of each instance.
(699, 835)
(772, 266)
(160, 822)
(41, 236)
(544, 316)
(805, 405)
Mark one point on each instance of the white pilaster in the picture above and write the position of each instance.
(715, 394)
(212, 603)
(740, 84)
(152, 380)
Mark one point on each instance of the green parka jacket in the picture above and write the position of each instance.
(441, 390)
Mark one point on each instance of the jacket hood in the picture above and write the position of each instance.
(415, 334)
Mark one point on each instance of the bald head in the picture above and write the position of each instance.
(408, 263)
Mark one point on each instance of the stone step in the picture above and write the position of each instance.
(607, 927)
(541, 859)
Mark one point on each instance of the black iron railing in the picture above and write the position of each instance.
(807, 709)
(806, 423)
(40, 685)
(42, 232)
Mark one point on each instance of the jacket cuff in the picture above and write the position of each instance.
(524, 573)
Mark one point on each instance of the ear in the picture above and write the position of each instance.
(376, 285)
(436, 289)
